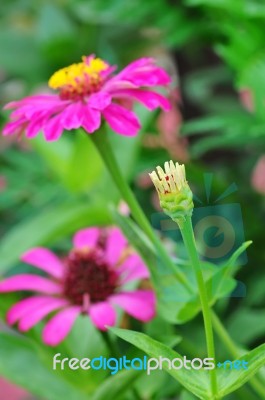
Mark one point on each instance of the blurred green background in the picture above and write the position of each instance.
(214, 50)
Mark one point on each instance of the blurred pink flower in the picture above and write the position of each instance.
(87, 91)
(258, 176)
(9, 391)
(89, 281)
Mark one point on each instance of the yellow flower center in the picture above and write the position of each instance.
(79, 79)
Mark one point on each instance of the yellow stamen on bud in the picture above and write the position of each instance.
(173, 190)
(80, 74)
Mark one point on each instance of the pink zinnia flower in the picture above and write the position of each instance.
(87, 91)
(89, 281)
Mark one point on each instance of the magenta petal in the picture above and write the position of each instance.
(102, 315)
(122, 120)
(86, 238)
(60, 325)
(24, 307)
(37, 314)
(140, 304)
(29, 282)
(41, 99)
(133, 268)
(139, 63)
(99, 100)
(53, 129)
(91, 119)
(14, 127)
(116, 243)
(149, 99)
(72, 117)
(34, 127)
(44, 259)
(144, 72)
(153, 76)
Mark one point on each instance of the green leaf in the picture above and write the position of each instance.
(235, 256)
(60, 25)
(56, 154)
(196, 382)
(246, 325)
(230, 380)
(115, 386)
(21, 362)
(75, 162)
(186, 396)
(48, 226)
(84, 166)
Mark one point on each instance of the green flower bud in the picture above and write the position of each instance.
(173, 190)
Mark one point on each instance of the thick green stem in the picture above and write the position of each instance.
(189, 241)
(235, 352)
(111, 344)
(101, 141)
(115, 352)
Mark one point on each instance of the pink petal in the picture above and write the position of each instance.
(139, 63)
(133, 268)
(24, 307)
(72, 117)
(153, 76)
(14, 127)
(35, 125)
(60, 325)
(122, 120)
(36, 99)
(144, 72)
(102, 314)
(29, 282)
(86, 238)
(150, 99)
(116, 243)
(37, 314)
(99, 100)
(53, 129)
(44, 259)
(91, 119)
(140, 304)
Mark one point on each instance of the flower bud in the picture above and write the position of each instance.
(173, 190)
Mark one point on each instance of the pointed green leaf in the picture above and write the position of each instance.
(115, 386)
(230, 380)
(197, 382)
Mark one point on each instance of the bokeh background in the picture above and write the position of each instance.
(214, 50)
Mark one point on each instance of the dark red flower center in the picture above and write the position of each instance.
(88, 277)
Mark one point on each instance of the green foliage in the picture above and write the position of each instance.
(22, 361)
(196, 382)
(52, 189)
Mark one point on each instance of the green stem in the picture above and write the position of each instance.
(115, 352)
(111, 344)
(189, 241)
(100, 140)
(235, 352)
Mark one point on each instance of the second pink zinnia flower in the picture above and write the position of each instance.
(88, 91)
(89, 281)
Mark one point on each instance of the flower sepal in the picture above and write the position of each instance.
(178, 206)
